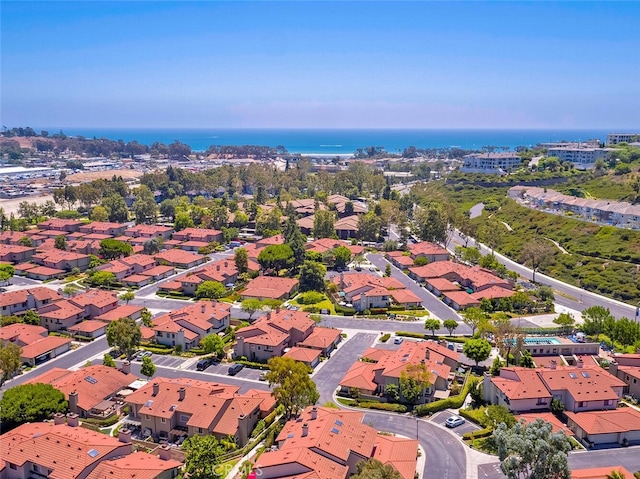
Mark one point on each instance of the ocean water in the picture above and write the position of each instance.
(338, 141)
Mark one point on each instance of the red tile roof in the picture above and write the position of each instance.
(305, 355)
(122, 311)
(600, 472)
(42, 346)
(620, 420)
(269, 287)
(139, 465)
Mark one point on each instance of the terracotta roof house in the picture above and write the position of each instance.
(621, 426)
(149, 231)
(120, 269)
(324, 340)
(551, 418)
(187, 326)
(140, 263)
(36, 346)
(91, 391)
(224, 271)
(431, 251)
(321, 245)
(179, 258)
(600, 472)
(306, 224)
(270, 241)
(60, 224)
(172, 408)
(44, 273)
(198, 234)
(310, 357)
(122, 311)
(90, 328)
(159, 272)
(347, 227)
(390, 365)
(579, 388)
(136, 280)
(60, 315)
(56, 450)
(15, 302)
(63, 260)
(104, 227)
(328, 443)
(10, 253)
(403, 262)
(269, 335)
(630, 375)
(95, 302)
(459, 300)
(438, 286)
(139, 465)
(366, 291)
(270, 287)
(405, 298)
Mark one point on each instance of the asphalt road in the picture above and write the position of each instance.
(576, 298)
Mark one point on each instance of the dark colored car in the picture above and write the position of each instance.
(204, 364)
(235, 369)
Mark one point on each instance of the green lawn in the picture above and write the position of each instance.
(324, 304)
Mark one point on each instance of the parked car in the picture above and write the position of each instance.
(204, 364)
(262, 377)
(398, 340)
(454, 421)
(235, 369)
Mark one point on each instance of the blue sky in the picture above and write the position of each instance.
(320, 64)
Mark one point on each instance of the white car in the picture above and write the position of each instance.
(454, 421)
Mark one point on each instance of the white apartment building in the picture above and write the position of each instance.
(615, 138)
(498, 163)
(582, 158)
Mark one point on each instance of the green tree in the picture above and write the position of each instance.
(432, 324)
(183, 221)
(492, 234)
(431, 223)
(596, 320)
(30, 403)
(387, 270)
(532, 451)
(127, 296)
(536, 254)
(152, 245)
(298, 244)
(108, 361)
(146, 318)
(210, 290)
(276, 257)
(31, 317)
(413, 381)
(25, 241)
(450, 325)
(112, 249)
(526, 360)
(147, 368)
(557, 407)
(374, 469)
(614, 474)
(369, 227)
(213, 343)
(312, 276)
(500, 415)
(477, 349)
(472, 317)
(292, 385)
(202, 454)
(117, 208)
(6, 272)
(102, 279)
(342, 256)
(496, 366)
(392, 391)
(60, 242)
(421, 261)
(241, 257)
(324, 224)
(124, 335)
(144, 207)
(251, 306)
(99, 213)
(9, 360)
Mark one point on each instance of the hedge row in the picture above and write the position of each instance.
(478, 416)
(251, 364)
(385, 337)
(454, 402)
(155, 350)
(345, 311)
(411, 334)
(383, 406)
(479, 434)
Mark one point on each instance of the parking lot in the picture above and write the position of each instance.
(441, 417)
(223, 368)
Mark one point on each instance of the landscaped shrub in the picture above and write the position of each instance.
(345, 311)
(480, 433)
(383, 406)
(252, 364)
(453, 402)
(310, 297)
(411, 334)
(385, 337)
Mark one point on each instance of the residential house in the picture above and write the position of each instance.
(322, 339)
(271, 334)
(91, 391)
(60, 315)
(136, 281)
(44, 273)
(310, 357)
(89, 329)
(11, 253)
(170, 408)
(140, 263)
(328, 444)
(130, 311)
(139, 465)
(347, 227)
(203, 235)
(617, 426)
(95, 302)
(35, 343)
(179, 258)
(630, 375)
(104, 227)
(224, 271)
(600, 472)
(149, 231)
(431, 251)
(16, 302)
(270, 287)
(60, 224)
(367, 291)
(62, 260)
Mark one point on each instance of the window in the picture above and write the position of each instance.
(199, 430)
(608, 402)
(36, 468)
(163, 420)
(13, 466)
(541, 402)
(146, 416)
(184, 418)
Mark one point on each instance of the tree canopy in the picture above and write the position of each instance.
(147, 367)
(477, 349)
(111, 249)
(312, 276)
(124, 335)
(292, 385)
(210, 290)
(374, 469)
(202, 454)
(276, 257)
(9, 360)
(30, 403)
(213, 343)
(251, 306)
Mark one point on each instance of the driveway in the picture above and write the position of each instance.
(442, 416)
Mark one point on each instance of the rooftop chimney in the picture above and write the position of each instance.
(73, 401)
(314, 412)
(580, 363)
(165, 452)
(72, 419)
(181, 392)
(124, 435)
(277, 309)
(156, 389)
(58, 418)
(427, 353)
(269, 315)
(126, 367)
(203, 308)
(217, 267)
(226, 263)
(553, 364)
(305, 430)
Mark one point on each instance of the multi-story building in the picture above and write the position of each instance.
(582, 158)
(496, 163)
(615, 138)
